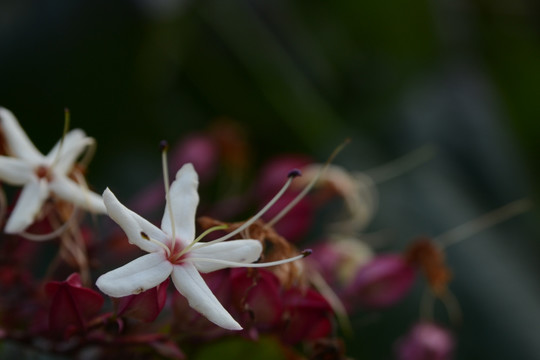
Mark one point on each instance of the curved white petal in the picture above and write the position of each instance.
(133, 224)
(71, 148)
(241, 251)
(18, 142)
(184, 200)
(15, 171)
(190, 283)
(32, 197)
(68, 190)
(137, 276)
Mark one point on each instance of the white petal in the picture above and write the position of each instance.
(15, 171)
(72, 147)
(190, 283)
(28, 205)
(68, 190)
(241, 251)
(137, 276)
(184, 201)
(18, 142)
(133, 224)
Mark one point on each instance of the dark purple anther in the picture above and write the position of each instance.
(307, 252)
(294, 173)
(163, 145)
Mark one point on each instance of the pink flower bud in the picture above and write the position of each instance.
(201, 151)
(382, 282)
(425, 341)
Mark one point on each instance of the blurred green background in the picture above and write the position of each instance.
(301, 76)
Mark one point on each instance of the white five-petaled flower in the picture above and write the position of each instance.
(173, 250)
(42, 175)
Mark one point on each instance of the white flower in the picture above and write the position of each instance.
(173, 250)
(42, 175)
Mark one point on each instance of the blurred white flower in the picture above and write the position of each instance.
(42, 175)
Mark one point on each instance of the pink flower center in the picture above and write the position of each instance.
(176, 256)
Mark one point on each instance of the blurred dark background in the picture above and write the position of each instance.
(301, 76)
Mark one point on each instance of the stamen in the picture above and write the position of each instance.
(333, 299)
(164, 147)
(200, 237)
(89, 153)
(485, 221)
(53, 234)
(157, 242)
(256, 216)
(252, 265)
(309, 186)
(402, 164)
(67, 120)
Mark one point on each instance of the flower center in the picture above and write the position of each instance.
(43, 172)
(176, 255)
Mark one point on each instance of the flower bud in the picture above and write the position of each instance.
(425, 341)
(382, 282)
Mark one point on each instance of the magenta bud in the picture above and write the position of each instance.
(425, 341)
(294, 173)
(382, 282)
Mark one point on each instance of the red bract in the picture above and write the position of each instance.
(72, 306)
(257, 294)
(307, 316)
(425, 341)
(382, 282)
(298, 221)
(145, 306)
(188, 322)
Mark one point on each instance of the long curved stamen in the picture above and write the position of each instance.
(292, 175)
(164, 147)
(402, 164)
(67, 120)
(252, 265)
(53, 234)
(157, 242)
(309, 186)
(485, 221)
(89, 153)
(333, 299)
(200, 237)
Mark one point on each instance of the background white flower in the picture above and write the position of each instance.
(42, 175)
